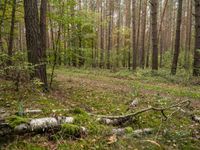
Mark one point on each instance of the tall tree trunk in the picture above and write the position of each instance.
(160, 33)
(101, 38)
(128, 35)
(196, 66)
(109, 33)
(154, 14)
(134, 65)
(188, 35)
(142, 62)
(138, 32)
(73, 38)
(177, 41)
(12, 28)
(35, 54)
(118, 32)
(43, 34)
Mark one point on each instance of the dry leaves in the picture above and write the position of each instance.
(112, 139)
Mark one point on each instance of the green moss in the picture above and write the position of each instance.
(128, 130)
(81, 119)
(68, 130)
(14, 120)
(79, 111)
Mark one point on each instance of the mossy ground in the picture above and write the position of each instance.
(105, 92)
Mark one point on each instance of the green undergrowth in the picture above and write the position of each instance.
(101, 92)
(14, 120)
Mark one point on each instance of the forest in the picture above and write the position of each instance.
(99, 74)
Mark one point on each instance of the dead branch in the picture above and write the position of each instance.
(115, 120)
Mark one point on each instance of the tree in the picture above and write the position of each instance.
(134, 65)
(101, 38)
(138, 32)
(118, 32)
(144, 16)
(196, 66)
(110, 33)
(33, 39)
(177, 40)
(12, 27)
(128, 35)
(43, 34)
(154, 8)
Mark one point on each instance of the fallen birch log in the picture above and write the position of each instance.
(43, 124)
(38, 125)
(37, 111)
(139, 132)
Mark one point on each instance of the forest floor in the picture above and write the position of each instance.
(110, 93)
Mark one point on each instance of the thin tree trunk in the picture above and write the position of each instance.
(142, 62)
(138, 32)
(196, 66)
(134, 65)
(118, 33)
(148, 49)
(101, 39)
(11, 38)
(188, 35)
(43, 34)
(154, 11)
(128, 35)
(109, 33)
(177, 41)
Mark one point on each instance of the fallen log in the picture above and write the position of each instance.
(137, 133)
(38, 125)
(37, 111)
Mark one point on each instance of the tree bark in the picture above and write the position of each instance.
(177, 41)
(138, 33)
(196, 66)
(118, 32)
(134, 49)
(142, 62)
(11, 37)
(33, 37)
(154, 13)
(101, 39)
(109, 33)
(43, 32)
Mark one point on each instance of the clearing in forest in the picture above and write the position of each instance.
(81, 93)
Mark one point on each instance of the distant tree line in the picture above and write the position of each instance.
(109, 34)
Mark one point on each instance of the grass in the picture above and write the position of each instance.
(105, 92)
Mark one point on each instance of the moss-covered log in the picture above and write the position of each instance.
(19, 125)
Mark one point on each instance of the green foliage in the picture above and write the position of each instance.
(79, 111)
(70, 130)
(14, 120)
(23, 145)
(18, 72)
(128, 130)
(81, 117)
